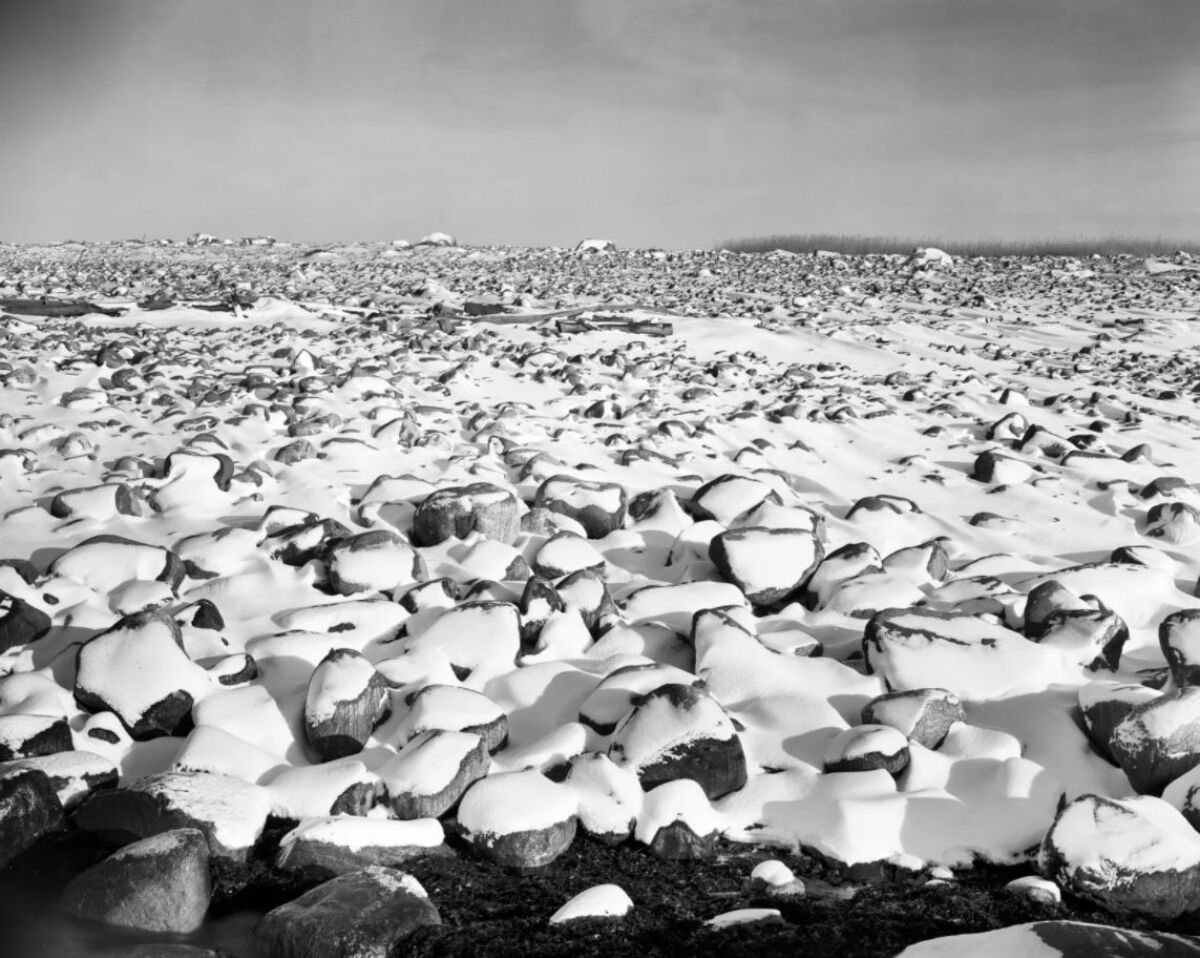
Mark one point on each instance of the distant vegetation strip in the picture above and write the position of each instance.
(862, 245)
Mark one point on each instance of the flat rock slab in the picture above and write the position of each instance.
(364, 914)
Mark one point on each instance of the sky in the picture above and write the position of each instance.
(669, 123)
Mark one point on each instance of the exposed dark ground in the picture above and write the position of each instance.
(490, 912)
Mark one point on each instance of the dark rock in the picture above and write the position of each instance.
(378, 560)
(768, 565)
(600, 507)
(231, 813)
(677, 842)
(346, 699)
(680, 731)
(29, 807)
(156, 884)
(414, 791)
(24, 736)
(147, 645)
(460, 510)
(1179, 638)
(298, 544)
(1098, 848)
(363, 914)
(924, 716)
(1159, 740)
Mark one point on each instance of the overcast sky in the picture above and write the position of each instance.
(671, 123)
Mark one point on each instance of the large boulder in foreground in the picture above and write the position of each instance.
(1049, 939)
(156, 884)
(363, 914)
(1127, 855)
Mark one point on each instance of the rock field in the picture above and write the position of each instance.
(344, 566)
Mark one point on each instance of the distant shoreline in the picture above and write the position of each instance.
(855, 245)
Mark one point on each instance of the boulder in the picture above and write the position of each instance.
(452, 708)
(362, 914)
(730, 496)
(231, 813)
(600, 507)
(1104, 705)
(29, 808)
(1175, 522)
(996, 468)
(298, 544)
(609, 796)
(768, 565)
(104, 562)
(964, 654)
(1159, 740)
(865, 748)
(157, 884)
(519, 819)
(346, 699)
(1058, 939)
(24, 736)
(1179, 638)
(773, 879)
(680, 731)
(460, 510)
(73, 774)
(20, 622)
(565, 553)
(841, 565)
(375, 561)
(138, 670)
(1093, 637)
(338, 844)
(430, 774)
(923, 716)
(1134, 855)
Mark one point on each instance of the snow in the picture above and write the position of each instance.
(355, 833)
(599, 901)
(1001, 943)
(335, 681)
(793, 400)
(770, 560)
(1141, 834)
(428, 762)
(511, 802)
